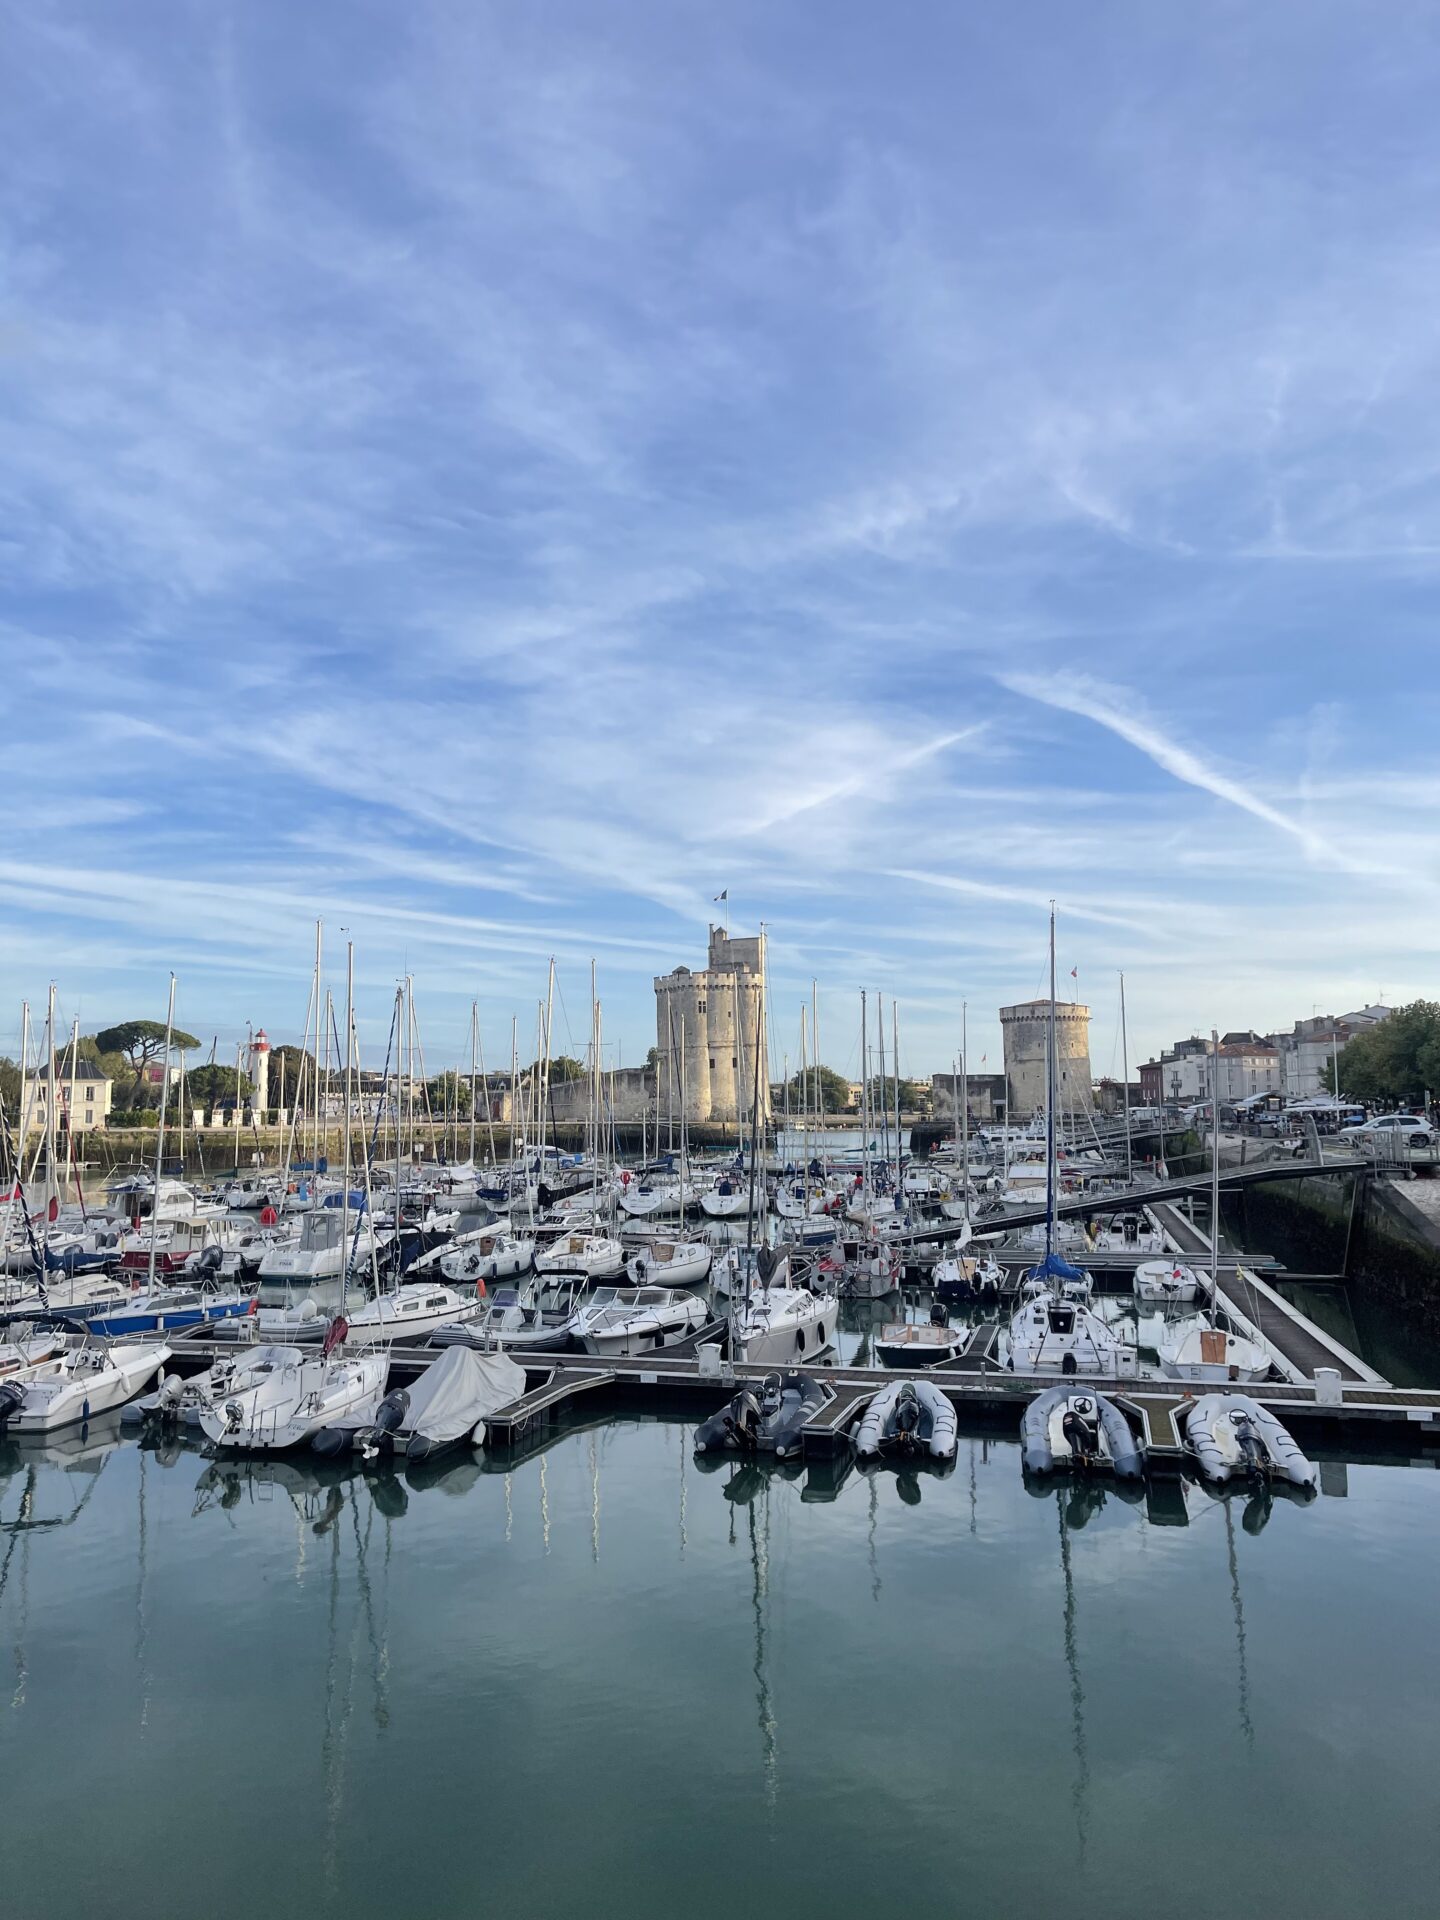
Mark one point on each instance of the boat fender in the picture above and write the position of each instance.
(479, 1289)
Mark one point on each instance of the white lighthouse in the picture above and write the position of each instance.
(257, 1069)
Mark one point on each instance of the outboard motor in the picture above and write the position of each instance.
(907, 1419)
(210, 1261)
(164, 1416)
(12, 1398)
(389, 1419)
(1081, 1428)
(939, 1316)
(743, 1419)
(1253, 1449)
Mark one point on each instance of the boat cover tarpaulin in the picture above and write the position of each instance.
(460, 1389)
(1053, 1267)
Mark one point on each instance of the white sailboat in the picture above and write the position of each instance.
(290, 1404)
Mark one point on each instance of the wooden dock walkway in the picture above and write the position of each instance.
(1256, 1309)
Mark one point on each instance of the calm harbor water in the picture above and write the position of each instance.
(606, 1683)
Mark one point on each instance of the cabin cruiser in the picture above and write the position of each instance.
(77, 1385)
(634, 1320)
(533, 1318)
(319, 1251)
(489, 1255)
(254, 1191)
(292, 1402)
(592, 1254)
(412, 1313)
(870, 1271)
(169, 1245)
(135, 1197)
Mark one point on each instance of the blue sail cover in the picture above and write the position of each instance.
(1053, 1267)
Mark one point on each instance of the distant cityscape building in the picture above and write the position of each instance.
(1024, 1029)
(984, 1093)
(708, 1026)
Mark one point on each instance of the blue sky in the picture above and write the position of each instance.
(496, 475)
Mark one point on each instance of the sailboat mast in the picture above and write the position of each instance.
(1125, 1086)
(160, 1130)
(965, 1104)
(895, 1070)
(1050, 1105)
(1214, 1163)
(864, 1095)
(474, 1050)
(345, 1155)
(50, 1097)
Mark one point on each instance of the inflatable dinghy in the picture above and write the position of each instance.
(911, 1417)
(1074, 1427)
(768, 1418)
(1234, 1438)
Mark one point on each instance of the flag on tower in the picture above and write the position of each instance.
(722, 896)
(1074, 973)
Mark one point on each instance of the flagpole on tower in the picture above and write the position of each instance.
(723, 900)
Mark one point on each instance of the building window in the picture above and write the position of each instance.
(734, 1063)
(712, 1063)
(700, 1006)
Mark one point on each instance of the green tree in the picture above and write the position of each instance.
(1398, 1060)
(142, 1042)
(450, 1093)
(914, 1096)
(562, 1067)
(834, 1091)
(10, 1089)
(211, 1085)
(286, 1066)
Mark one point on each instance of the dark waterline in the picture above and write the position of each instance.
(608, 1684)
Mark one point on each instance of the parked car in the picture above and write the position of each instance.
(1415, 1131)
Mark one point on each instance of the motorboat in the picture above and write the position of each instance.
(798, 1199)
(634, 1320)
(768, 1417)
(533, 1318)
(319, 1251)
(175, 1404)
(870, 1271)
(252, 1192)
(594, 1255)
(909, 1417)
(446, 1407)
(167, 1309)
(967, 1277)
(671, 1263)
(920, 1343)
(490, 1255)
(74, 1296)
(1079, 1429)
(1234, 1438)
(290, 1404)
(168, 1246)
(78, 1384)
(1213, 1354)
(1167, 1281)
(1127, 1232)
(411, 1313)
(18, 1356)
